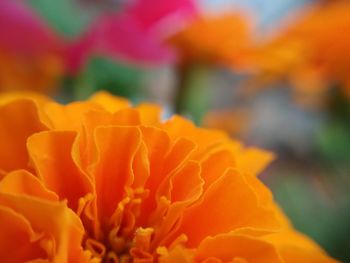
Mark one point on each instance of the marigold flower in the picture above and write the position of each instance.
(313, 51)
(30, 54)
(100, 181)
(223, 39)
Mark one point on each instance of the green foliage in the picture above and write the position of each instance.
(65, 16)
(334, 143)
(106, 74)
(333, 140)
(317, 205)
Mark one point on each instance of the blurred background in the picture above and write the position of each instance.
(274, 74)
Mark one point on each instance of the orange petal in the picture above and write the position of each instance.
(227, 205)
(222, 160)
(18, 241)
(2, 174)
(182, 189)
(180, 127)
(295, 247)
(94, 119)
(168, 157)
(164, 159)
(23, 95)
(127, 117)
(239, 260)
(38, 261)
(122, 117)
(68, 117)
(186, 183)
(253, 160)
(116, 150)
(262, 193)
(158, 145)
(175, 255)
(18, 120)
(179, 153)
(51, 154)
(140, 167)
(60, 226)
(150, 114)
(227, 247)
(109, 102)
(23, 182)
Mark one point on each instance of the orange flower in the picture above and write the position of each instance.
(235, 122)
(224, 40)
(100, 181)
(313, 52)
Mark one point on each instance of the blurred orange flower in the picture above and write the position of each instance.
(313, 52)
(235, 122)
(30, 54)
(223, 39)
(100, 181)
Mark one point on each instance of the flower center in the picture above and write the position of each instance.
(119, 239)
(119, 249)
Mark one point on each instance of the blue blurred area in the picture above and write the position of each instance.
(267, 12)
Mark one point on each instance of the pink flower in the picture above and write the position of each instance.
(136, 34)
(21, 31)
(30, 53)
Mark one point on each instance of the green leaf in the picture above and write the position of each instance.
(334, 142)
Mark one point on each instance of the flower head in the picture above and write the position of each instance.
(221, 39)
(312, 52)
(101, 181)
(30, 54)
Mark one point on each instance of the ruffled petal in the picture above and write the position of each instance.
(18, 241)
(23, 182)
(61, 228)
(108, 102)
(94, 119)
(164, 158)
(182, 189)
(223, 160)
(253, 160)
(18, 120)
(202, 137)
(175, 255)
(116, 148)
(295, 247)
(228, 247)
(227, 205)
(150, 114)
(51, 155)
(68, 117)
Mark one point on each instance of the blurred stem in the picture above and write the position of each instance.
(66, 92)
(181, 89)
(338, 104)
(193, 94)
